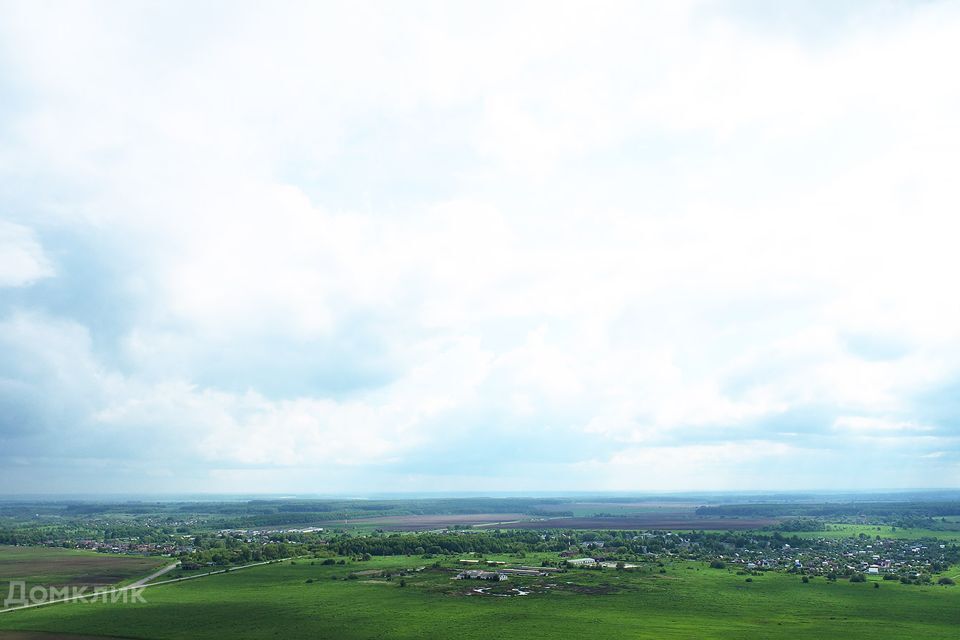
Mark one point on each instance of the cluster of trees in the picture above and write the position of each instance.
(45, 535)
(801, 524)
(229, 551)
(445, 543)
(258, 513)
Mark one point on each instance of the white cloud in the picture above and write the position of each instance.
(636, 224)
(880, 426)
(22, 259)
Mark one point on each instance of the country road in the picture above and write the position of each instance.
(143, 581)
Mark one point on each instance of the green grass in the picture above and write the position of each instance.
(689, 601)
(872, 530)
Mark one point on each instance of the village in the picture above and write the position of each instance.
(893, 558)
(845, 556)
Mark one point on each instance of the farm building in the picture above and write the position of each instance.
(581, 562)
(477, 574)
(523, 572)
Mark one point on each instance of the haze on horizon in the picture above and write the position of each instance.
(411, 247)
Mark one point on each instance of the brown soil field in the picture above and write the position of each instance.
(428, 522)
(614, 507)
(676, 520)
(67, 567)
(652, 521)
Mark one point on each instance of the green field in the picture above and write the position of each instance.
(689, 600)
(55, 567)
(873, 530)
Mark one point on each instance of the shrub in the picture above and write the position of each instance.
(857, 577)
(805, 580)
(946, 581)
(749, 580)
(329, 561)
(718, 564)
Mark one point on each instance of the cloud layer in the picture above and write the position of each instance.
(705, 245)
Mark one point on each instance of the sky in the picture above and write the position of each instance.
(349, 247)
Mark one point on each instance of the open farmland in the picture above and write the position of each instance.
(54, 567)
(616, 508)
(688, 599)
(649, 521)
(434, 521)
(42, 635)
(654, 519)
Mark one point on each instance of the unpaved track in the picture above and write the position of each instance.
(153, 576)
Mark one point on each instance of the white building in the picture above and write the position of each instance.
(580, 562)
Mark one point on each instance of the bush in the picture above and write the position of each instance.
(804, 579)
(718, 564)
(858, 577)
(329, 561)
(309, 580)
(749, 580)
(876, 585)
(946, 581)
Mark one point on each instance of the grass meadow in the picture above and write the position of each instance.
(305, 600)
(873, 530)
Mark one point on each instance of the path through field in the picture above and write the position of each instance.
(157, 574)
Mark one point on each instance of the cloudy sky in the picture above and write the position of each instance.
(353, 247)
